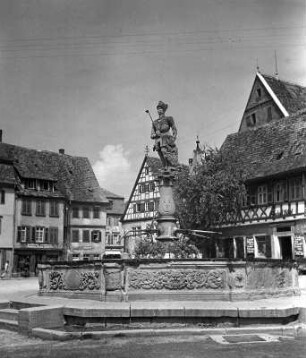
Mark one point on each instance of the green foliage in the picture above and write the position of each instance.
(179, 249)
(147, 248)
(215, 188)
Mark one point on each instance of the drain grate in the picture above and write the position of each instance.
(244, 338)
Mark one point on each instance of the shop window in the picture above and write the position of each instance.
(75, 257)
(26, 207)
(86, 237)
(96, 212)
(86, 212)
(239, 249)
(96, 236)
(263, 246)
(54, 209)
(262, 194)
(53, 235)
(40, 208)
(2, 198)
(39, 234)
(75, 235)
(75, 212)
(23, 234)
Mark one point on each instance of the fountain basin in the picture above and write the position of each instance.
(169, 280)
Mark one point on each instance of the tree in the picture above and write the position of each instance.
(212, 191)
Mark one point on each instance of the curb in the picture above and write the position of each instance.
(51, 334)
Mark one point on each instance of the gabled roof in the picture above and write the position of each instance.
(155, 164)
(74, 176)
(291, 96)
(271, 150)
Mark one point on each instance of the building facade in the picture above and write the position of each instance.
(271, 148)
(141, 208)
(43, 192)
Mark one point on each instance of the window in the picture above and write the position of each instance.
(251, 120)
(109, 238)
(44, 185)
(23, 234)
(86, 236)
(142, 188)
(146, 170)
(54, 209)
(239, 243)
(258, 91)
(279, 191)
(262, 194)
(96, 212)
(263, 246)
(26, 207)
(53, 235)
(96, 236)
(295, 188)
(75, 235)
(86, 212)
(75, 212)
(39, 234)
(152, 186)
(269, 114)
(30, 184)
(116, 239)
(2, 199)
(140, 207)
(151, 206)
(135, 230)
(40, 208)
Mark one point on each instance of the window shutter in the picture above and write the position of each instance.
(55, 236)
(268, 246)
(33, 233)
(46, 234)
(231, 248)
(2, 197)
(270, 193)
(18, 234)
(28, 232)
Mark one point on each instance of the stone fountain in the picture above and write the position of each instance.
(168, 279)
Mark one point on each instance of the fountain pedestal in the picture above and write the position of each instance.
(166, 220)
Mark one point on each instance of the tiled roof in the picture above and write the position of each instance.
(292, 96)
(7, 174)
(270, 150)
(109, 194)
(74, 176)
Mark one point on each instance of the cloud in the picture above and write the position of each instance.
(113, 170)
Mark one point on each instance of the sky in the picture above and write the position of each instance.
(79, 74)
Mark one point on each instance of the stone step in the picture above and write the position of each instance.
(9, 324)
(9, 314)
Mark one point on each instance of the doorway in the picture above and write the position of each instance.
(285, 247)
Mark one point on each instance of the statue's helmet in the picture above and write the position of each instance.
(162, 105)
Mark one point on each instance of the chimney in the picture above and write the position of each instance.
(61, 151)
(0, 135)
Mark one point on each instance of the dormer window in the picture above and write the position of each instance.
(31, 184)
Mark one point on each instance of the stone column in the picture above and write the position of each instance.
(166, 221)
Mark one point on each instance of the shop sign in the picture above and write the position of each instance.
(299, 245)
(250, 245)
